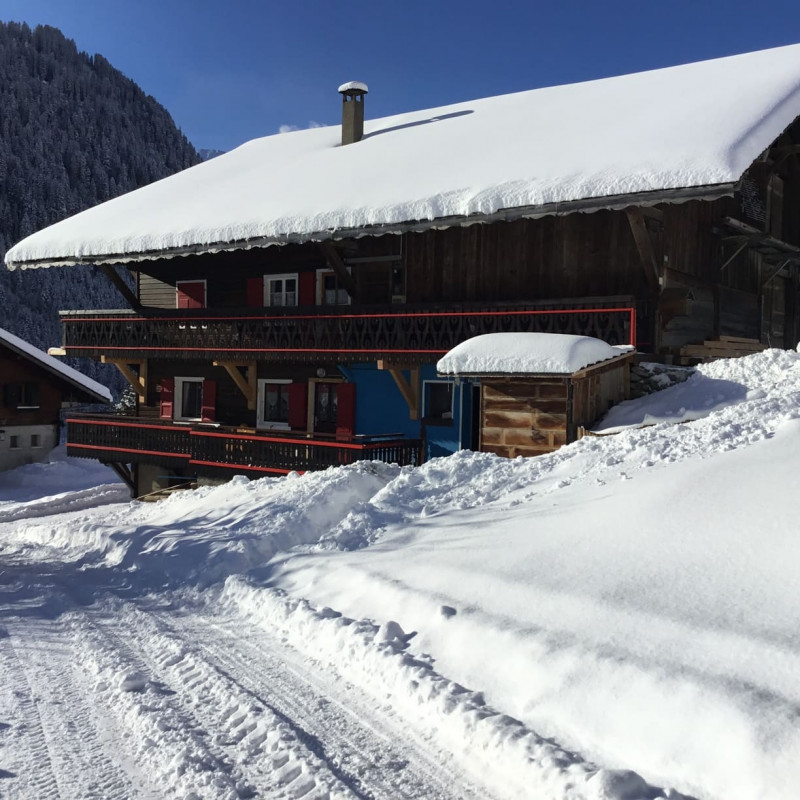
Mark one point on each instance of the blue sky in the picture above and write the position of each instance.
(231, 71)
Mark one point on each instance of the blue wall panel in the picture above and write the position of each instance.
(381, 409)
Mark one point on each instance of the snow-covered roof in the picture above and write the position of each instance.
(76, 379)
(598, 144)
(527, 354)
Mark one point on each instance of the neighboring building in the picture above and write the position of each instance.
(33, 389)
(294, 295)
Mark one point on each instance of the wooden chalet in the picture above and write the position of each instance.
(33, 390)
(292, 297)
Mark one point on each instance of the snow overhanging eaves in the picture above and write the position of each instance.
(584, 205)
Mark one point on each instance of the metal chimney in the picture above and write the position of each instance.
(352, 110)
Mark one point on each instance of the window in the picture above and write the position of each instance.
(188, 398)
(22, 396)
(273, 404)
(13, 442)
(438, 402)
(36, 440)
(280, 290)
(331, 292)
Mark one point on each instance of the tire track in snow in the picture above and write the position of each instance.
(259, 751)
(65, 752)
(374, 753)
(33, 775)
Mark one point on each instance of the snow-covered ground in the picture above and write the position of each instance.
(614, 621)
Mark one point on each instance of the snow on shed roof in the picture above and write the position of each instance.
(77, 379)
(697, 126)
(527, 354)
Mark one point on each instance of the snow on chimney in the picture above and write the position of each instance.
(352, 110)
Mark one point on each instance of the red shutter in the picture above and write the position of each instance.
(346, 410)
(298, 406)
(190, 294)
(209, 400)
(307, 294)
(166, 398)
(255, 292)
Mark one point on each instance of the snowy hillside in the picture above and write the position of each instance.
(613, 621)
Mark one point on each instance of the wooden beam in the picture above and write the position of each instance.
(776, 271)
(334, 262)
(383, 364)
(652, 212)
(122, 287)
(137, 380)
(735, 254)
(645, 247)
(410, 391)
(124, 473)
(247, 383)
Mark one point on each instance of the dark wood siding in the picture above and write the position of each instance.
(15, 369)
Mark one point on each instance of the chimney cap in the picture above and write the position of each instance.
(353, 87)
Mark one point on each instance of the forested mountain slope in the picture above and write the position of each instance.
(74, 132)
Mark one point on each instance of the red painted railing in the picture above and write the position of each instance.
(142, 440)
(420, 333)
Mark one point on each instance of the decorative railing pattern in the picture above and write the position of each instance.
(344, 334)
(214, 448)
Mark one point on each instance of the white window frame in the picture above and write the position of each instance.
(425, 395)
(321, 288)
(204, 281)
(177, 399)
(282, 276)
(261, 423)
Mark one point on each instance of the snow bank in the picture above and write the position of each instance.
(59, 474)
(526, 353)
(768, 379)
(598, 139)
(197, 537)
(376, 657)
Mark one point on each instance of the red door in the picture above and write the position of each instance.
(190, 294)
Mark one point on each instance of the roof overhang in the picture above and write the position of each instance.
(586, 205)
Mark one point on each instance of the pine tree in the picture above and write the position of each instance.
(74, 132)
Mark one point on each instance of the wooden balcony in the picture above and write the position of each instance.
(215, 450)
(345, 333)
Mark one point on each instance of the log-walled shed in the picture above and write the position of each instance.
(538, 389)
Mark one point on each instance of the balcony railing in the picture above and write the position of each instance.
(212, 449)
(345, 334)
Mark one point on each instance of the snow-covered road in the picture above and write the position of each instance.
(109, 696)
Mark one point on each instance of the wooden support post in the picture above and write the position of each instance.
(414, 376)
(122, 287)
(645, 247)
(137, 380)
(408, 388)
(124, 473)
(247, 383)
(334, 262)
